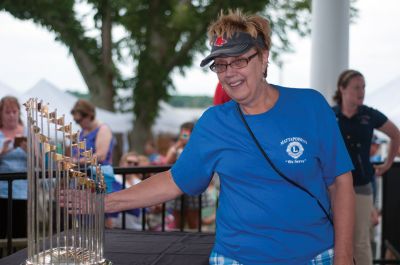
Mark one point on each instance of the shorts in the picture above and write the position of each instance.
(324, 258)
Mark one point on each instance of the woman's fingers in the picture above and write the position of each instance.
(78, 201)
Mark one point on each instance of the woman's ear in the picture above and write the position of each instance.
(265, 56)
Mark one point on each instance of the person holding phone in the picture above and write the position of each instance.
(191, 203)
(175, 150)
(13, 158)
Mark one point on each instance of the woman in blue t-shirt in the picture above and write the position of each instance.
(357, 123)
(13, 158)
(263, 217)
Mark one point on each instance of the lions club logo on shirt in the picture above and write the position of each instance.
(294, 149)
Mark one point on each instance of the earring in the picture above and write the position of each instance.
(265, 71)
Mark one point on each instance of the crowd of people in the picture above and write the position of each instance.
(276, 189)
(99, 138)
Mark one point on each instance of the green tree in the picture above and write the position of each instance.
(91, 56)
(160, 36)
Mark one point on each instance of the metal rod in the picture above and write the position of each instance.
(58, 188)
(42, 182)
(37, 243)
(50, 191)
(30, 180)
(9, 217)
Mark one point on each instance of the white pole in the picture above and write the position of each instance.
(330, 44)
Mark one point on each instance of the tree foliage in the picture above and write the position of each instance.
(159, 37)
(201, 102)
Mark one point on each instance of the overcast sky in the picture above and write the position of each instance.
(29, 53)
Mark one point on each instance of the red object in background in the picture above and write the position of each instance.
(220, 96)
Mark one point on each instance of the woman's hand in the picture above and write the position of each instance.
(381, 169)
(78, 201)
(6, 146)
(24, 146)
(375, 216)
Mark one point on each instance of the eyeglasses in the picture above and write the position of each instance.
(78, 121)
(133, 163)
(237, 64)
(82, 116)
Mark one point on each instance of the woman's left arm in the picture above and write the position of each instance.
(103, 140)
(390, 129)
(342, 200)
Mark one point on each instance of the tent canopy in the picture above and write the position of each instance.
(6, 90)
(168, 120)
(386, 99)
(63, 102)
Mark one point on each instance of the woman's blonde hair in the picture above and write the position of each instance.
(237, 21)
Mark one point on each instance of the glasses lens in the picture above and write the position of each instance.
(213, 68)
(218, 68)
(239, 63)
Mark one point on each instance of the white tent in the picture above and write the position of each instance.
(63, 102)
(168, 120)
(171, 118)
(387, 100)
(6, 90)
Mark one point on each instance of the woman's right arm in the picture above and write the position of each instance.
(154, 190)
(390, 129)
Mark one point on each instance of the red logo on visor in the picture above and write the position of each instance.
(219, 41)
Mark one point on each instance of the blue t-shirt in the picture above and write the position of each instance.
(14, 160)
(261, 218)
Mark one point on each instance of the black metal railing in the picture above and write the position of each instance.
(148, 171)
(10, 177)
(145, 172)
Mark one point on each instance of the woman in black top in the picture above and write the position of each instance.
(357, 123)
